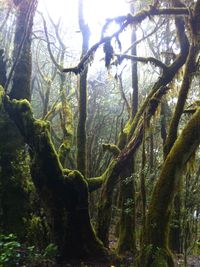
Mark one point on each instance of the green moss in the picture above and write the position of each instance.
(21, 81)
(22, 105)
(127, 127)
(64, 193)
(1, 96)
(112, 148)
(14, 173)
(94, 183)
(66, 172)
(80, 184)
(157, 230)
(123, 136)
(127, 231)
(159, 260)
(155, 257)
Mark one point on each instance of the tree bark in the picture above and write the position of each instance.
(81, 128)
(157, 228)
(64, 193)
(14, 198)
(132, 134)
(127, 231)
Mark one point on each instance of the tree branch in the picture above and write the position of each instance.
(124, 21)
(49, 45)
(152, 60)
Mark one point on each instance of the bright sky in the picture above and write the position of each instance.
(96, 11)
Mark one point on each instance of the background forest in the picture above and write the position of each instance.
(99, 133)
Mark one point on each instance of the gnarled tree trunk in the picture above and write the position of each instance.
(14, 198)
(64, 193)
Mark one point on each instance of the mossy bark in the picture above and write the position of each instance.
(64, 193)
(14, 198)
(127, 231)
(116, 167)
(132, 134)
(127, 223)
(175, 234)
(14, 203)
(21, 81)
(3, 68)
(157, 228)
(190, 69)
(82, 101)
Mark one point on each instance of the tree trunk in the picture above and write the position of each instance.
(127, 234)
(64, 193)
(133, 133)
(190, 69)
(178, 152)
(15, 200)
(81, 128)
(22, 66)
(127, 231)
(156, 249)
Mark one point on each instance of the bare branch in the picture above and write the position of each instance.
(49, 45)
(157, 27)
(124, 21)
(121, 89)
(6, 18)
(56, 28)
(152, 60)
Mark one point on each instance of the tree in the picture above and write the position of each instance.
(64, 192)
(81, 128)
(15, 204)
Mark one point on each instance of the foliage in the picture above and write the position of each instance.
(55, 98)
(10, 254)
(37, 230)
(13, 253)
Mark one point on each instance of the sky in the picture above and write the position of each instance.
(96, 12)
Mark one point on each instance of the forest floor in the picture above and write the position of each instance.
(192, 261)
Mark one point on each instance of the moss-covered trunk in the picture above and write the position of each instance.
(133, 133)
(64, 193)
(178, 152)
(22, 59)
(176, 229)
(156, 249)
(82, 101)
(127, 231)
(14, 200)
(189, 71)
(14, 197)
